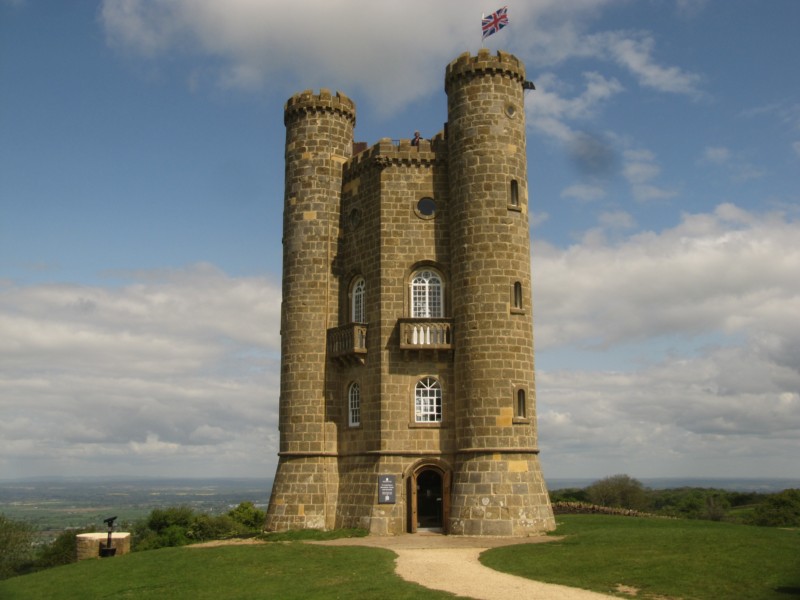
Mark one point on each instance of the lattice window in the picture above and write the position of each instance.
(354, 405)
(427, 299)
(428, 401)
(358, 294)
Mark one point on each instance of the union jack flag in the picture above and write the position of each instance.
(494, 22)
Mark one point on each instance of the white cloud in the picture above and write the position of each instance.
(718, 272)
(550, 112)
(634, 52)
(640, 169)
(690, 8)
(699, 322)
(786, 113)
(702, 321)
(717, 155)
(737, 169)
(617, 220)
(537, 218)
(584, 192)
(179, 362)
(258, 44)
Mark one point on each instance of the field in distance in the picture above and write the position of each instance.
(57, 504)
(52, 505)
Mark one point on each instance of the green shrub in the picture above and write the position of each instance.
(180, 525)
(161, 519)
(248, 515)
(16, 547)
(621, 491)
(569, 495)
(778, 510)
(61, 551)
(206, 527)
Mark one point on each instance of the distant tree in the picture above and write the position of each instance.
(16, 547)
(248, 515)
(717, 506)
(207, 527)
(619, 491)
(61, 551)
(569, 495)
(778, 510)
(180, 525)
(161, 519)
(163, 527)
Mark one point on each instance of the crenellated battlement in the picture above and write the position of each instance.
(467, 66)
(387, 152)
(309, 102)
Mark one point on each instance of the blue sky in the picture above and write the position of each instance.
(141, 184)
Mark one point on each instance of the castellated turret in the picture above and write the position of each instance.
(407, 381)
(498, 487)
(319, 140)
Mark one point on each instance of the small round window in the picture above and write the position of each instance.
(426, 208)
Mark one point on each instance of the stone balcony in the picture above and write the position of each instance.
(348, 343)
(426, 334)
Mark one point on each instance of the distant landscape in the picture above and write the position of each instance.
(54, 504)
(743, 484)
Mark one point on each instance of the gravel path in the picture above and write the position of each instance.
(450, 563)
(458, 570)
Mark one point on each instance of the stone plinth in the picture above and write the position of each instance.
(88, 544)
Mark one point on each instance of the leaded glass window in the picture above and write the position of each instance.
(426, 295)
(354, 405)
(358, 312)
(428, 401)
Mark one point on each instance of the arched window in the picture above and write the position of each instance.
(357, 297)
(428, 401)
(354, 405)
(427, 299)
(520, 409)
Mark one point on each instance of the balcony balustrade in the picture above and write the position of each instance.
(348, 343)
(426, 334)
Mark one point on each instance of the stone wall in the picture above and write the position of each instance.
(88, 544)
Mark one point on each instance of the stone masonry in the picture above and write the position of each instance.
(88, 544)
(406, 323)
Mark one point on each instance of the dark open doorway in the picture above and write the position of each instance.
(430, 499)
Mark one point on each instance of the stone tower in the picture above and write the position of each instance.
(407, 380)
(319, 140)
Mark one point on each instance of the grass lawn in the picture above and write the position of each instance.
(280, 570)
(686, 559)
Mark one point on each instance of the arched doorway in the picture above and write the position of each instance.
(428, 499)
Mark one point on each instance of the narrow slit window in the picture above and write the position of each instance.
(518, 295)
(520, 407)
(514, 193)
